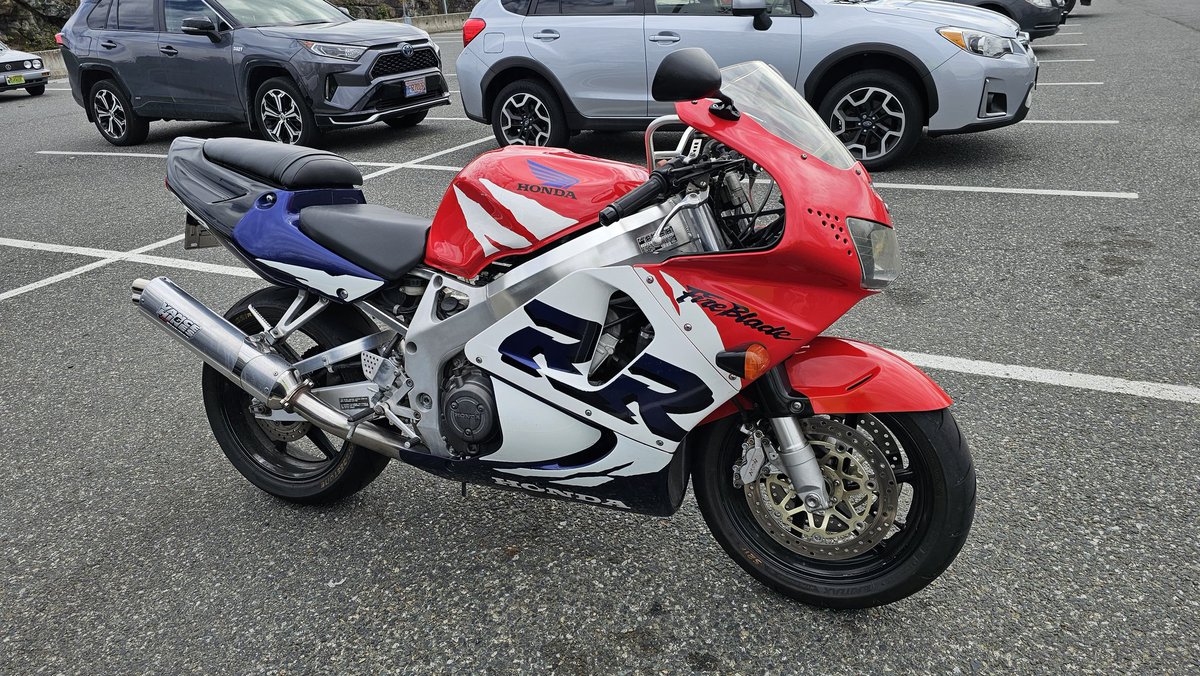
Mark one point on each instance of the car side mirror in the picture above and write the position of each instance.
(756, 9)
(345, 11)
(201, 25)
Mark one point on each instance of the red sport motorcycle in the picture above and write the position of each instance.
(588, 330)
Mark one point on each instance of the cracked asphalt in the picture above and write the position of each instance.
(128, 544)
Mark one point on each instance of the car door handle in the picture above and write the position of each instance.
(108, 44)
(168, 50)
(664, 38)
(546, 35)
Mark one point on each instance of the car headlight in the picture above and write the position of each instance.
(978, 42)
(344, 52)
(37, 63)
(1045, 4)
(28, 65)
(878, 252)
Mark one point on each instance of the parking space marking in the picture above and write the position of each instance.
(463, 119)
(1069, 122)
(119, 256)
(1082, 381)
(95, 153)
(1066, 44)
(1065, 60)
(1068, 33)
(1010, 191)
(1068, 84)
(419, 160)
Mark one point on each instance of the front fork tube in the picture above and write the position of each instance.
(799, 463)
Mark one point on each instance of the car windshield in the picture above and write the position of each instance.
(758, 90)
(256, 13)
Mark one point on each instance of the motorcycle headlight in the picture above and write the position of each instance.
(344, 52)
(878, 252)
(978, 42)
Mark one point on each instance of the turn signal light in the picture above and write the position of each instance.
(472, 28)
(749, 362)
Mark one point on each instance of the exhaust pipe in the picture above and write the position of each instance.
(257, 370)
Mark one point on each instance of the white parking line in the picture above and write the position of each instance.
(1068, 84)
(448, 118)
(1065, 60)
(1009, 191)
(1066, 44)
(1068, 33)
(93, 153)
(1082, 381)
(419, 160)
(115, 257)
(1069, 122)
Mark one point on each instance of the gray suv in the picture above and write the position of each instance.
(289, 68)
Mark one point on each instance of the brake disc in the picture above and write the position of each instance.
(862, 489)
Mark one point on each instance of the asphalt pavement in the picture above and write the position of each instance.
(128, 544)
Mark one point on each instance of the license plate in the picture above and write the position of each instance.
(414, 87)
(196, 236)
(14, 79)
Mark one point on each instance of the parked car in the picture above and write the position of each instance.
(1039, 18)
(289, 68)
(876, 71)
(22, 70)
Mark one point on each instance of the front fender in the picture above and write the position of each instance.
(839, 375)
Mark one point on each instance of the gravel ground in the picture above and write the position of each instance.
(128, 544)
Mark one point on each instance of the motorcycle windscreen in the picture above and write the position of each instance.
(650, 384)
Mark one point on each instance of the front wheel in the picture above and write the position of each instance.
(282, 114)
(876, 114)
(903, 492)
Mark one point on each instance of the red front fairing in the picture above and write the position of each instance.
(785, 296)
(516, 199)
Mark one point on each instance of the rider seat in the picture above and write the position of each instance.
(283, 166)
(384, 241)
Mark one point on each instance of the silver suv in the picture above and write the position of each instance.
(877, 70)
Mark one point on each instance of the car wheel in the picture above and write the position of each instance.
(36, 90)
(1067, 7)
(282, 114)
(114, 115)
(528, 113)
(877, 114)
(406, 121)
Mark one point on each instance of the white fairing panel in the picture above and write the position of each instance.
(535, 432)
(546, 348)
(355, 287)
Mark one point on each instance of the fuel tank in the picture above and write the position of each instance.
(516, 199)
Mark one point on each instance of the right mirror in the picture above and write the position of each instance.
(756, 9)
(686, 75)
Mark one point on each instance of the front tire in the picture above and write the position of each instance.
(527, 112)
(406, 121)
(900, 539)
(294, 461)
(36, 90)
(114, 116)
(282, 114)
(877, 114)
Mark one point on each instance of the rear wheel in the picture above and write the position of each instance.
(36, 90)
(903, 492)
(295, 461)
(877, 114)
(282, 114)
(527, 112)
(114, 115)
(1067, 7)
(406, 121)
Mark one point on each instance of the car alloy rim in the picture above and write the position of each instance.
(110, 114)
(869, 121)
(525, 121)
(281, 117)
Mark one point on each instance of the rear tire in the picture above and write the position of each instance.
(283, 115)
(36, 90)
(527, 112)
(406, 121)
(266, 454)
(877, 114)
(114, 116)
(1067, 7)
(931, 458)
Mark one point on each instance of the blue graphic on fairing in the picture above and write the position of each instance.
(551, 177)
(270, 232)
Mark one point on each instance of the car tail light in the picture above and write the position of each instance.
(472, 28)
(58, 39)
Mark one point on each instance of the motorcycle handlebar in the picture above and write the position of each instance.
(635, 200)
